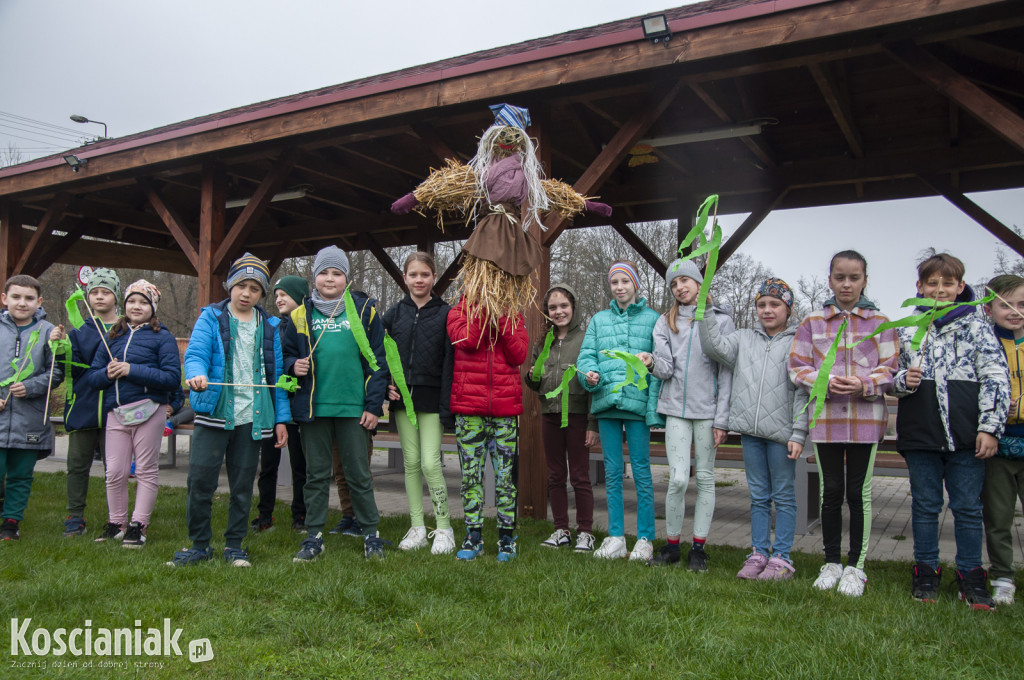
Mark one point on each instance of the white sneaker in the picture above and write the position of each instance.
(444, 541)
(1003, 590)
(643, 551)
(853, 581)
(558, 539)
(584, 542)
(415, 539)
(612, 548)
(828, 577)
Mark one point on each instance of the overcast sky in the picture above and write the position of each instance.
(139, 65)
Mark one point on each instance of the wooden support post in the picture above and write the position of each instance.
(280, 255)
(175, 224)
(211, 232)
(975, 212)
(10, 239)
(533, 477)
(385, 261)
(449, 274)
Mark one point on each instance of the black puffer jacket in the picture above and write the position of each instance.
(421, 334)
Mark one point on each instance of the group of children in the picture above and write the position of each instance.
(960, 422)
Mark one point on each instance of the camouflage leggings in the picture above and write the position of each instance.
(476, 435)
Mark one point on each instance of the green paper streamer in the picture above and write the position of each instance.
(702, 220)
(563, 388)
(711, 247)
(358, 332)
(398, 375)
(62, 348)
(27, 367)
(545, 352)
(922, 320)
(636, 372)
(75, 316)
(820, 388)
(288, 383)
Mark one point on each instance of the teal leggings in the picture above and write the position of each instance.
(421, 452)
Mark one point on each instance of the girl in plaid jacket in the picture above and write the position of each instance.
(846, 435)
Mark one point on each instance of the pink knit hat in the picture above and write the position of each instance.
(146, 290)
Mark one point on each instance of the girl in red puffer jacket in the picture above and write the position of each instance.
(487, 397)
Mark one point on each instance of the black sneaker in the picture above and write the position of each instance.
(261, 524)
(111, 532)
(345, 527)
(973, 590)
(299, 524)
(698, 559)
(925, 584)
(134, 536)
(667, 556)
(9, 530)
(373, 546)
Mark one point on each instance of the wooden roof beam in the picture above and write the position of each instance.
(175, 224)
(991, 112)
(54, 214)
(749, 225)
(611, 155)
(837, 96)
(449, 274)
(58, 248)
(758, 147)
(993, 55)
(641, 248)
(440, 148)
(254, 209)
(944, 188)
(385, 260)
(326, 164)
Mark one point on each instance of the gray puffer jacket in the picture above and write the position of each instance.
(694, 386)
(23, 424)
(763, 397)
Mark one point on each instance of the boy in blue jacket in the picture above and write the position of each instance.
(84, 417)
(234, 342)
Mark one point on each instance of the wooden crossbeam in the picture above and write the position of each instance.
(171, 218)
(612, 154)
(641, 248)
(255, 208)
(837, 97)
(993, 55)
(991, 112)
(757, 146)
(280, 255)
(432, 139)
(747, 228)
(53, 216)
(385, 260)
(449, 274)
(58, 248)
(975, 212)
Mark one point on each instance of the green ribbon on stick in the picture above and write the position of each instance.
(27, 367)
(709, 246)
(71, 305)
(358, 332)
(820, 388)
(288, 383)
(636, 372)
(563, 389)
(538, 366)
(398, 375)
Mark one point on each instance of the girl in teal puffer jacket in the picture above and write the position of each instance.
(627, 325)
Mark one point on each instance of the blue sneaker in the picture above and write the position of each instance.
(348, 526)
(472, 547)
(187, 557)
(507, 548)
(310, 549)
(237, 557)
(74, 526)
(373, 546)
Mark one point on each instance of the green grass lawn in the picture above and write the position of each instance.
(549, 614)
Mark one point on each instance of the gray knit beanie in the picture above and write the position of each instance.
(682, 267)
(331, 256)
(104, 278)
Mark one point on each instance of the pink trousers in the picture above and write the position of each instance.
(123, 442)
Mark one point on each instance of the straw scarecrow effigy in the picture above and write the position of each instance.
(502, 192)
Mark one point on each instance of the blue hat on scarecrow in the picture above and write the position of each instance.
(514, 116)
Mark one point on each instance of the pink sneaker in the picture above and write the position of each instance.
(777, 569)
(753, 567)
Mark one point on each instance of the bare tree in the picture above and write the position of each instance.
(811, 293)
(11, 155)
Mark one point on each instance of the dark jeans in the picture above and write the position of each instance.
(81, 447)
(270, 460)
(562, 444)
(210, 447)
(964, 476)
(845, 470)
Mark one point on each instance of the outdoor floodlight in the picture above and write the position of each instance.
(656, 28)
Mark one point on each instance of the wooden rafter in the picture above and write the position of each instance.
(53, 216)
(58, 248)
(321, 165)
(641, 248)
(993, 55)
(449, 274)
(280, 255)
(747, 228)
(1000, 118)
(612, 155)
(173, 221)
(757, 146)
(385, 260)
(255, 208)
(837, 97)
(440, 148)
(1008, 236)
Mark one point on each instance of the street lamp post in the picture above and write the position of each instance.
(83, 119)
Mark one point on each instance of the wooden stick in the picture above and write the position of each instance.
(329, 319)
(49, 383)
(99, 325)
(245, 385)
(919, 359)
(1001, 298)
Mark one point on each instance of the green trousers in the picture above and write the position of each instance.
(1004, 488)
(81, 447)
(421, 454)
(353, 440)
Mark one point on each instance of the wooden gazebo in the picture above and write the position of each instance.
(775, 104)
